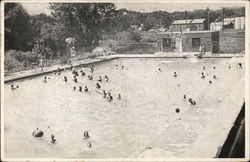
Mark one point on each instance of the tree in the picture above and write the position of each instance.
(84, 21)
(17, 27)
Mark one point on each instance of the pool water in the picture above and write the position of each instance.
(144, 119)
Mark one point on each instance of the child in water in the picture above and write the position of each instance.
(106, 78)
(52, 139)
(98, 85)
(80, 88)
(119, 96)
(65, 79)
(12, 87)
(86, 89)
(104, 94)
(86, 135)
(175, 74)
(45, 79)
(100, 79)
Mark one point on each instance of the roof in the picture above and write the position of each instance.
(182, 21)
(189, 21)
(177, 32)
(198, 21)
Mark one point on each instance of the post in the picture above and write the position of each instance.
(222, 19)
(208, 24)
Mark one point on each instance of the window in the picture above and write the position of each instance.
(196, 42)
(173, 43)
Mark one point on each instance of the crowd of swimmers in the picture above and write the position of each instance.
(100, 79)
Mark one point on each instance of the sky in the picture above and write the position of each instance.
(37, 8)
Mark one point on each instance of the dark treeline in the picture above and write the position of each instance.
(87, 23)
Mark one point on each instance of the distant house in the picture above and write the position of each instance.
(188, 25)
(229, 23)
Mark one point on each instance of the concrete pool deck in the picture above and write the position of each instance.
(35, 72)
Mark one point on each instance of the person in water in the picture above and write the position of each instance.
(52, 139)
(109, 98)
(86, 89)
(74, 88)
(99, 79)
(45, 79)
(159, 69)
(119, 96)
(98, 85)
(175, 74)
(65, 79)
(75, 79)
(104, 94)
(214, 67)
(106, 78)
(210, 82)
(86, 135)
(12, 87)
(214, 76)
(80, 88)
(240, 65)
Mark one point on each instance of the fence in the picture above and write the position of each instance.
(131, 48)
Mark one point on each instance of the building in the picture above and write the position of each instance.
(226, 41)
(188, 41)
(229, 23)
(188, 25)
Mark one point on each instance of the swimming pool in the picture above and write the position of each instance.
(143, 123)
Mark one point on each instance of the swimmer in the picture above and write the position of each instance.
(80, 88)
(203, 76)
(90, 77)
(59, 73)
(210, 82)
(98, 85)
(65, 79)
(52, 139)
(240, 65)
(214, 67)
(175, 74)
(89, 145)
(159, 69)
(17, 86)
(106, 78)
(100, 79)
(12, 87)
(214, 76)
(109, 98)
(45, 79)
(91, 68)
(86, 89)
(86, 135)
(177, 110)
(74, 88)
(119, 96)
(104, 94)
(122, 67)
(75, 80)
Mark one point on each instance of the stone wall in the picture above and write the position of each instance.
(232, 41)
